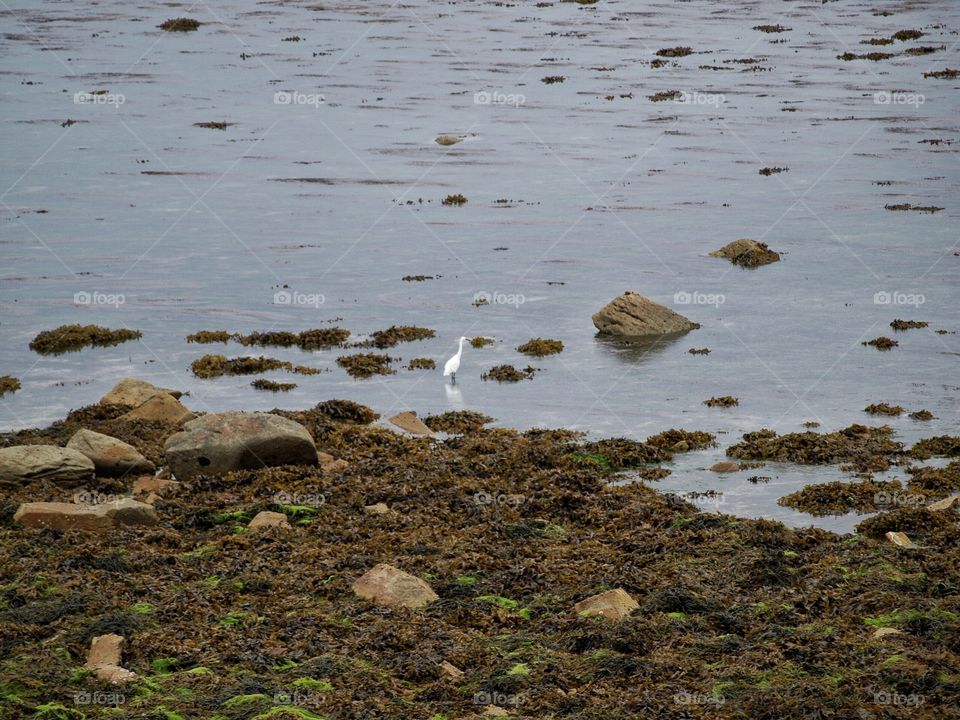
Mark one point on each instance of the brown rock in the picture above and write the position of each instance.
(613, 604)
(494, 711)
(160, 408)
(110, 456)
(900, 539)
(268, 519)
(884, 631)
(450, 670)
(67, 516)
(376, 509)
(725, 466)
(133, 392)
(386, 585)
(944, 504)
(448, 139)
(411, 423)
(633, 315)
(748, 253)
(22, 464)
(148, 484)
(331, 464)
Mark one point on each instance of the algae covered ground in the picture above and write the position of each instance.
(737, 618)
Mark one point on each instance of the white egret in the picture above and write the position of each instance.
(453, 364)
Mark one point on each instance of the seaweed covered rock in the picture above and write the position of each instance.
(633, 315)
(747, 253)
(457, 422)
(868, 448)
(109, 455)
(222, 442)
(386, 585)
(23, 464)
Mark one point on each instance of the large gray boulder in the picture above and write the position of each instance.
(222, 442)
(633, 315)
(110, 456)
(23, 464)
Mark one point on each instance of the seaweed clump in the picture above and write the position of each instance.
(539, 347)
(908, 324)
(939, 446)
(480, 341)
(881, 343)
(70, 338)
(8, 384)
(422, 364)
(211, 366)
(395, 334)
(767, 171)
(722, 401)
(771, 28)
(867, 448)
(181, 24)
(883, 409)
(945, 74)
(838, 498)
(747, 253)
(205, 337)
(674, 52)
(272, 386)
(364, 365)
(508, 373)
(677, 440)
(314, 339)
(921, 415)
(457, 422)
(457, 199)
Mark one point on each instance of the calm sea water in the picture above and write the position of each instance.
(327, 186)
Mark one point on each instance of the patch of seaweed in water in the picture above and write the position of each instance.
(364, 365)
(422, 364)
(70, 338)
(209, 336)
(838, 498)
(8, 384)
(676, 440)
(907, 324)
(479, 342)
(181, 24)
(883, 409)
(540, 347)
(621, 453)
(211, 366)
(457, 422)
(508, 373)
(865, 448)
(881, 343)
(941, 445)
(272, 385)
(674, 52)
(396, 334)
(722, 401)
(935, 482)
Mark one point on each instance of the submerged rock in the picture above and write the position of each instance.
(386, 585)
(748, 253)
(22, 464)
(220, 443)
(633, 315)
(109, 455)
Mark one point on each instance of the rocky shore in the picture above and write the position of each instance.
(325, 564)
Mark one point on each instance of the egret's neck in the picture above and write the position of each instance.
(460, 350)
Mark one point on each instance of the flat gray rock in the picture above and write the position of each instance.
(23, 464)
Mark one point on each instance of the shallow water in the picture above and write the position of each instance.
(198, 228)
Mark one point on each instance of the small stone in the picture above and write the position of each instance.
(411, 423)
(900, 539)
(376, 509)
(725, 466)
(160, 408)
(451, 671)
(268, 519)
(494, 711)
(104, 660)
(613, 604)
(386, 585)
(884, 631)
(448, 139)
(944, 504)
(330, 464)
(133, 392)
(110, 456)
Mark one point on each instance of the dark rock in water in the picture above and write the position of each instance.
(633, 315)
(22, 464)
(220, 443)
